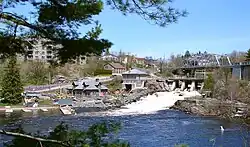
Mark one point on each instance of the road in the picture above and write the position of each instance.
(44, 88)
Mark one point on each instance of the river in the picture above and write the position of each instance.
(163, 128)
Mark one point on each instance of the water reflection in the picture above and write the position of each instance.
(6, 118)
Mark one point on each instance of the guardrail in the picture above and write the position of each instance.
(44, 88)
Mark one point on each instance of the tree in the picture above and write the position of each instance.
(37, 73)
(11, 83)
(176, 61)
(57, 22)
(209, 82)
(61, 136)
(248, 55)
(222, 79)
(187, 54)
(237, 57)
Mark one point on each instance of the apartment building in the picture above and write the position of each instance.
(40, 52)
(46, 54)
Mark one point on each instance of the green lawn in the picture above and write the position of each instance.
(5, 104)
(104, 75)
(45, 102)
(41, 103)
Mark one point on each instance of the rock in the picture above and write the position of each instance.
(209, 107)
(111, 102)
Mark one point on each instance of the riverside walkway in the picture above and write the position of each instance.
(51, 87)
(16, 108)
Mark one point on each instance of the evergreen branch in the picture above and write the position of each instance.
(21, 21)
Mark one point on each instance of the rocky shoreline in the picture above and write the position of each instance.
(109, 102)
(113, 102)
(213, 107)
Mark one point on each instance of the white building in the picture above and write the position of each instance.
(40, 52)
(45, 53)
(134, 79)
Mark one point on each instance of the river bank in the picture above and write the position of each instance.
(230, 110)
(117, 101)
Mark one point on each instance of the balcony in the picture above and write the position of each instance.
(132, 82)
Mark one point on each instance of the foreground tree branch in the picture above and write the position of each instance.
(40, 140)
(57, 23)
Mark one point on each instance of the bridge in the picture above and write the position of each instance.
(196, 67)
(204, 61)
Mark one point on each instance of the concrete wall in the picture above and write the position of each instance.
(236, 72)
(246, 73)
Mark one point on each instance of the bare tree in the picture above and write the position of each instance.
(236, 56)
(34, 72)
(176, 61)
(228, 88)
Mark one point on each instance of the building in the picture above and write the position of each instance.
(40, 52)
(110, 57)
(116, 68)
(82, 60)
(87, 87)
(134, 79)
(45, 53)
(140, 61)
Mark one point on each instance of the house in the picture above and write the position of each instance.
(109, 57)
(140, 61)
(31, 96)
(116, 68)
(87, 87)
(134, 79)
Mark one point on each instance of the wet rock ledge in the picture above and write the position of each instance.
(212, 107)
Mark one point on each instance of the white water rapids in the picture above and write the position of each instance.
(154, 103)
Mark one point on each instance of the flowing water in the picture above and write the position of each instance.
(163, 128)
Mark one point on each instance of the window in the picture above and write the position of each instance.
(30, 52)
(49, 52)
(49, 47)
(36, 52)
(43, 53)
(43, 57)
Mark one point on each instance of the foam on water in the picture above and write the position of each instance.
(153, 103)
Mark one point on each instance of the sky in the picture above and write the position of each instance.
(215, 26)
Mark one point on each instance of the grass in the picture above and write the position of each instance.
(45, 103)
(6, 104)
(104, 75)
(41, 103)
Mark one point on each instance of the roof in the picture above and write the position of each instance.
(65, 101)
(104, 87)
(91, 87)
(116, 65)
(91, 82)
(86, 81)
(140, 58)
(109, 56)
(33, 94)
(79, 87)
(135, 72)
